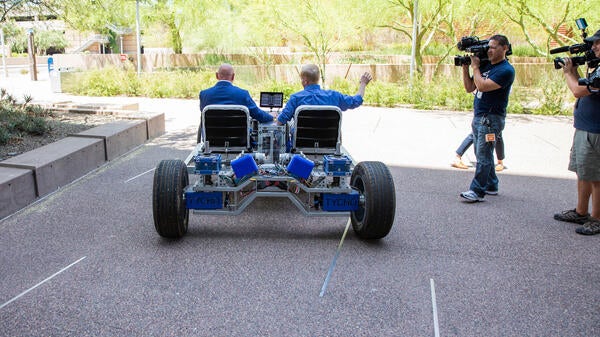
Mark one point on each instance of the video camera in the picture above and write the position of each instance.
(479, 48)
(591, 81)
(580, 48)
(471, 44)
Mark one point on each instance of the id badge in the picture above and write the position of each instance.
(490, 137)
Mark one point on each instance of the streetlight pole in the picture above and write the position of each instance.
(31, 52)
(415, 30)
(137, 33)
(3, 51)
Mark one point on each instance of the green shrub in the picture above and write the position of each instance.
(110, 81)
(273, 86)
(384, 94)
(17, 119)
(547, 94)
(524, 50)
(216, 59)
(117, 81)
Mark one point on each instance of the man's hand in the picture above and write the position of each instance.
(365, 78)
(572, 77)
(362, 84)
(568, 66)
(475, 62)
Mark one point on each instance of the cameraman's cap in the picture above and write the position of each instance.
(593, 38)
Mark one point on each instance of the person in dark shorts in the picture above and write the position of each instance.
(585, 152)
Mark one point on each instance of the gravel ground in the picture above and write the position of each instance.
(61, 125)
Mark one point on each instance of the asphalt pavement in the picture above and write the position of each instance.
(86, 261)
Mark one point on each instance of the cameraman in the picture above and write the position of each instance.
(491, 84)
(585, 151)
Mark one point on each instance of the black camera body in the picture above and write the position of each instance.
(591, 81)
(584, 48)
(472, 44)
(559, 62)
(580, 48)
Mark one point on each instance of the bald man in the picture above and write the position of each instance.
(224, 92)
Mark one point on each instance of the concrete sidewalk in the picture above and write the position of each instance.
(535, 145)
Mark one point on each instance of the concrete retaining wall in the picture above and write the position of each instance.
(36, 173)
(57, 164)
(17, 189)
(118, 137)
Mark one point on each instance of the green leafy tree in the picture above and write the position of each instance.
(540, 21)
(430, 16)
(8, 7)
(165, 12)
(43, 40)
(319, 26)
(93, 15)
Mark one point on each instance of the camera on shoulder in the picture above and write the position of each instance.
(586, 55)
(477, 47)
(471, 44)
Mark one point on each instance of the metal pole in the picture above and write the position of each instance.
(31, 52)
(137, 32)
(3, 52)
(415, 30)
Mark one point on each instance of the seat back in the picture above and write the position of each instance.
(226, 127)
(317, 129)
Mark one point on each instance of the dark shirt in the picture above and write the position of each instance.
(314, 95)
(587, 113)
(495, 102)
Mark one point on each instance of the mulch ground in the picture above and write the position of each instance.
(61, 125)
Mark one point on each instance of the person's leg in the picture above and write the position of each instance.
(584, 191)
(595, 199)
(579, 214)
(458, 162)
(592, 225)
(500, 152)
(496, 126)
(499, 148)
(484, 152)
(464, 146)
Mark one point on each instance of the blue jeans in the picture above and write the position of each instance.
(485, 174)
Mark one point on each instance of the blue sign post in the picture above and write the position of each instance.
(50, 64)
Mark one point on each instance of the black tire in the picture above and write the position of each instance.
(375, 216)
(171, 215)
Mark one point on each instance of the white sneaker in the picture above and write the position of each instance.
(471, 196)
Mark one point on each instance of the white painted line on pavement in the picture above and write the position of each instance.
(436, 328)
(332, 266)
(139, 175)
(39, 284)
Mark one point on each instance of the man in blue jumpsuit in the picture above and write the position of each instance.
(314, 95)
(224, 92)
(491, 84)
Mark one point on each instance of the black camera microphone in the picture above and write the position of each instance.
(559, 49)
